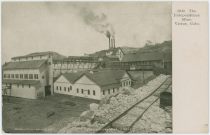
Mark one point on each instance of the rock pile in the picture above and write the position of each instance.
(121, 102)
(110, 108)
(156, 120)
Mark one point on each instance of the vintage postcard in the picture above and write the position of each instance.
(103, 67)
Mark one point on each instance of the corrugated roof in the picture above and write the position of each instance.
(32, 82)
(33, 64)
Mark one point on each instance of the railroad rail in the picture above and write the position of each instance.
(140, 105)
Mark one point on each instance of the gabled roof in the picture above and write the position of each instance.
(106, 78)
(33, 64)
(55, 55)
(71, 77)
(127, 50)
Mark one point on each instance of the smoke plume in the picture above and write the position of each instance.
(97, 22)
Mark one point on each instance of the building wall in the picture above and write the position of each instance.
(126, 81)
(40, 91)
(83, 84)
(109, 92)
(42, 76)
(22, 91)
(63, 86)
(26, 92)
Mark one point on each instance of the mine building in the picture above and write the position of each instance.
(74, 64)
(117, 53)
(26, 79)
(32, 71)
(143, 61)
(93, 84)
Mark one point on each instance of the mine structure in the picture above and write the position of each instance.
(75, 64)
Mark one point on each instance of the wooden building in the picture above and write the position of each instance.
(94, 85)
(48, 56)
(26, 79)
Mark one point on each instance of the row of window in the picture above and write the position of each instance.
(19, 85)
(22, 76)
(126, 83)
(109, 91)
(88, 91)
(64, 88)
(59, 88)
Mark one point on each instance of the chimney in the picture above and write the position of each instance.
(112, 42)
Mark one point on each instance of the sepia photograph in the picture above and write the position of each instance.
(87, 67)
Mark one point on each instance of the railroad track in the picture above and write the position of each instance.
(125, 121)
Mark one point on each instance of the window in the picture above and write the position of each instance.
(56, 87)
(16, 75)
(42, 77)
(88, 92)
(82, 91)
(8, 75)
(12, 76)
(113, 90)
(70, 87)
(21, 76)
(40, 57)
(103, 92)
(60, 88)
(29, 86)
(36, 76)
(108, 91)
(30, 76)
(77, 90)
(32, 57)
(5, 75)
(25, 76)
(64, 88)
(94, 93)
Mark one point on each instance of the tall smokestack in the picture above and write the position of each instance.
(108, 35)
(112, 43)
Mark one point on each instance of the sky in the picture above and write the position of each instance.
(78, 28)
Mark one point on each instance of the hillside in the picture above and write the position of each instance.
(165, 47)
